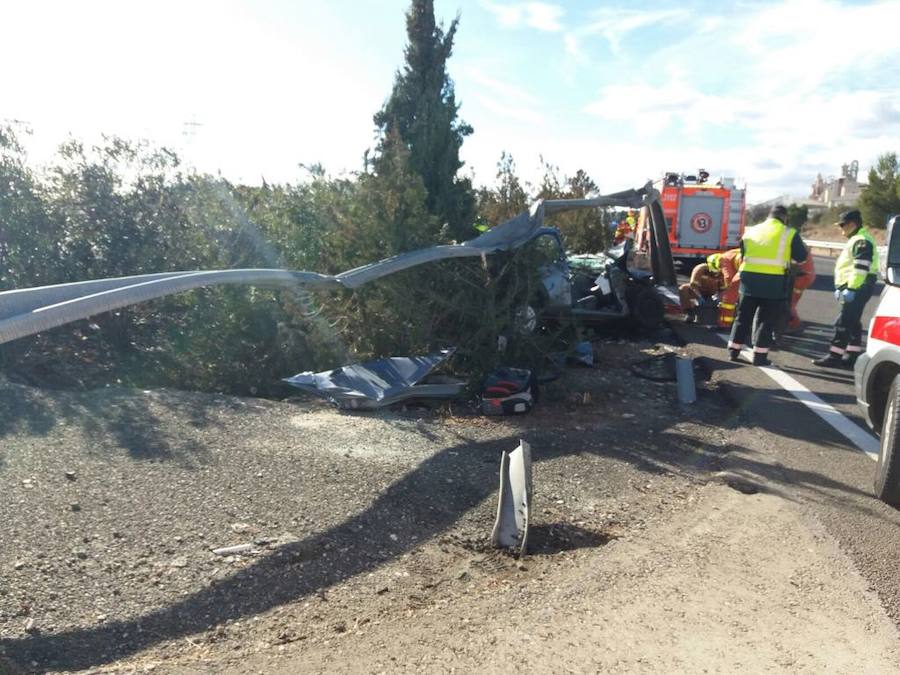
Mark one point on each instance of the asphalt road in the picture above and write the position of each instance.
(818, 309)
(788, 449)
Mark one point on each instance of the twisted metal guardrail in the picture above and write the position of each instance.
(28, 311)
(835, 247)
(33, 310)
(830, 245)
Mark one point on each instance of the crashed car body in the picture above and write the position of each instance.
(594, 289)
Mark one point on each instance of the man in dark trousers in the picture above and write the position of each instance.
(766, 253)
(855, 274)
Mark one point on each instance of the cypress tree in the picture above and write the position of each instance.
(422, 110)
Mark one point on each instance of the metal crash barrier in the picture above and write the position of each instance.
(29, 311)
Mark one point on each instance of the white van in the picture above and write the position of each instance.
(876, 374)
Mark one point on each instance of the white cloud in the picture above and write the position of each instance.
(656, 110)
(501, 109)
(615, 25)
(539, 15)
(772, 141)
(770, 91)
(501, 89)
(711, 23)
(800, 87)
(265, 101)
(802, 45)
(504, 110)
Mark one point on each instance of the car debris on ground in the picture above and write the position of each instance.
(380, 382)
(514, 500)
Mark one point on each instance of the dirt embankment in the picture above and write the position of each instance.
(831, 232)
(368, 539)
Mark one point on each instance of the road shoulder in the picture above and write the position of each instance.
(737, 582)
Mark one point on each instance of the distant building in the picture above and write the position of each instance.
(841, 191)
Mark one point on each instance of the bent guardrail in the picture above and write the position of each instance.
(29, 311)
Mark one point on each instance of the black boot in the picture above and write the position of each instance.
(848, 360)
(761, 359)
(734, 354)
(830, 360)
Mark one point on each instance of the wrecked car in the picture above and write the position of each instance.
(594, 289)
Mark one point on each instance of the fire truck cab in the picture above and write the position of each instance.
(702, 217)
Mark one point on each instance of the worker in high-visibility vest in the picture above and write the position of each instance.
(729, 263)
(625, 230)
(855, 274)
(766, 253)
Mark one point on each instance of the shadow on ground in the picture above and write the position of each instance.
(123, 415)
(408, 510)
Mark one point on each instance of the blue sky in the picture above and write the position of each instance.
(771, 93)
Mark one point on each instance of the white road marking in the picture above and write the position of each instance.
(843, 425)
(863, 440)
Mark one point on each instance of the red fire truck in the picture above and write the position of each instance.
(702, 217)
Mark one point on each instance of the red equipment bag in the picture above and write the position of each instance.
(507, 391)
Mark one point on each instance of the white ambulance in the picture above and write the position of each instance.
(877, 374)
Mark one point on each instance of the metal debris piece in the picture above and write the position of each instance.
(583, 353)
(684, 371)
(514, 503)
(378, 383)
(233, 550)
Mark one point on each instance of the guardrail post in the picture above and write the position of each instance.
(684, 374)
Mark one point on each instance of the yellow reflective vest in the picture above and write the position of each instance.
(854, 264)
(767, 248)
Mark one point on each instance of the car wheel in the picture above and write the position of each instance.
(645, 306)
(887, 473)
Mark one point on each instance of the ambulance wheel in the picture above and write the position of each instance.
(887, 473)
(646, 307)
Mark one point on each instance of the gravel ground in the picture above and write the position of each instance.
(114, 500)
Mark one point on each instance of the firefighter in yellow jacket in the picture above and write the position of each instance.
(706, 282)
(625, 228)
(855, 274)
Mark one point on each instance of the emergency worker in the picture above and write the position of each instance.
(800, 277)
(855, 274)
(766, 253)
(729, 263)
(631, 221)
(803, 274)
(625, 229)
(705, 283)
